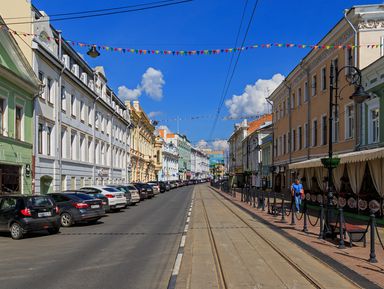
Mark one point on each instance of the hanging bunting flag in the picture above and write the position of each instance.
(196, 52)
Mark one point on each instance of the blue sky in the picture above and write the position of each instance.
(193, 85)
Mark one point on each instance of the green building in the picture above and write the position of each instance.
(18, 87)
(184, 148)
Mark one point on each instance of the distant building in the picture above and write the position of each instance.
(170, 158)
(199, 164)
(216, 162)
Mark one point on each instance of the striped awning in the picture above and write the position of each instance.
(352, 157)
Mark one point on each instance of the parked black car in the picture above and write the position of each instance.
(20, 215)
(76, 207)
(99, 196)
(145, 187)
(163, 187)
(142, 190)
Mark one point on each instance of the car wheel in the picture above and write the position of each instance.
(16, 231)
(66, 220)
(54, 230)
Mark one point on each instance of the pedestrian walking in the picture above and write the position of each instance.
(297, 191)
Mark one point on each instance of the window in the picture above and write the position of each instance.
(349, 121)
(314, 133)
(73, 146)
(300, 137)
(73, 183)
(299, 96)
(90, 150)
(293, 101)
(314, 85)
(90, 118)
(306, 92)
(323, 78)
(73, 105)
(349, 60)
(42, 80)
(63, 99)
(63, 143)
(284, 108)
(284, 144)
(19, 118)
(49, 133)
(335, 69)
(63, 182)
(83, 152)
(97, 120)
(2, 116)
(50, 95)
(324, 130)
(40, 138)
(293, 140)
(374, 116)
(306, 131)
(82, 111)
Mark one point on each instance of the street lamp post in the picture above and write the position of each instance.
(359, 96)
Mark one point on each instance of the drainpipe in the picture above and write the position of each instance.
(355, 36)
(59, 108)
(288, 177)
(358, 107)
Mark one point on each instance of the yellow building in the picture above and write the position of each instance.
(301, 102)
(145, 146)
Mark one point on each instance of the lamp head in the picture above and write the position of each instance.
(93, 52)
(360, 95)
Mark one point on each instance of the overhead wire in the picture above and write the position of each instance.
(101, 14)
(97, 10)
(234, 67)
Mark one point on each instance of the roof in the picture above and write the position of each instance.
(256, 124)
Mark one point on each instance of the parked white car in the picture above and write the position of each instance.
(116, 198)
(135, 195)
(155, 186)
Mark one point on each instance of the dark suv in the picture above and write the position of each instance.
(76, 207)
(23, 214)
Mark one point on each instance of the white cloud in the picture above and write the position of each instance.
(220, 145)
(253, 100)
(128, 94)
(153, 114)
(152, 82)
(202, 144)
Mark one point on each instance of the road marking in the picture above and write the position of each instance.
(182, 243)
(177, 265)
(176, 268)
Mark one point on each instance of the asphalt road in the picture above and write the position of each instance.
(135, 248)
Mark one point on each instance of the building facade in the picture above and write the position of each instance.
(199, 164)
(145, 146)
(301, 102)
(18, 87)
(81, 128)
(235, 162)
(216, 163)
(170, 158)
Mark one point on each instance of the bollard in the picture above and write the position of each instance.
(268, 203)
(242, 191)
(274, 210)
(321, 233)
(305, 226)
(254, 198)
(293, 221)
(283, 210)
(262, 201)
(341, 231)
(372, 254)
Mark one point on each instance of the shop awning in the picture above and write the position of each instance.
(352, 157)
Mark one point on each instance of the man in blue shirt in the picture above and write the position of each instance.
(297, 191)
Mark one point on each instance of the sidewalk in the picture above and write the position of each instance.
(350, 261)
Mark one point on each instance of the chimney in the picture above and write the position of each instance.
(128, 104)
(136, 105)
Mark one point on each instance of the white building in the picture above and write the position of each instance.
(199, 164)
(170, 169)
(81, 127)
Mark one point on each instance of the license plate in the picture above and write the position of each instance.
(120, 206)
(95, 206)
(44, 214)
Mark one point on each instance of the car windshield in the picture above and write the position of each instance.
(40, 201)
(112, 190)
(131, 187)
(123, 189)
